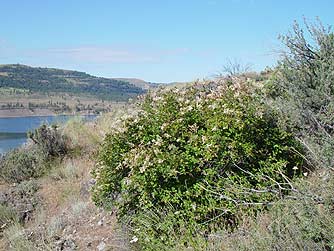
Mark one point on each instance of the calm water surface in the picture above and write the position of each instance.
(10, 126)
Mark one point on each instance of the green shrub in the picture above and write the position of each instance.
(156, 229)
(50, 140)
(27, 189)
(22, 164)
(303, 89)
(207, 150)
(33, 160)
(304, 221)
(301, 221)
(22, 199)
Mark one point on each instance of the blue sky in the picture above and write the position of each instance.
(159, 41)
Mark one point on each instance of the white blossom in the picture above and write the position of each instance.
(134, 239)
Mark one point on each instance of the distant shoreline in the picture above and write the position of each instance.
(12, 113)
(12, 135)
(21, 113)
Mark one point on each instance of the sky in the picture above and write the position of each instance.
(154, 40)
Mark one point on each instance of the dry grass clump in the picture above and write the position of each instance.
(302, 222)
(85, 137)
(15, 239)
(65, 214)
(71, 169)
(7, 217)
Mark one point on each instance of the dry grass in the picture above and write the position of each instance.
(86, 137)
(66, 211)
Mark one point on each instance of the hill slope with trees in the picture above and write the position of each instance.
(50, 80)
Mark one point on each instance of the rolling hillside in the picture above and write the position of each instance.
(31, 91)
(50, 80)
(140, 83)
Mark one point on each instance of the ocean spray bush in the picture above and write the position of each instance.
(206, 150)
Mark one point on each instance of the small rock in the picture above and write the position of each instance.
(101, 246)
(56, 237)
(86, 186)
(69, 245)
(3, 198)
(100, 223)
(59, 244)
(65, 245)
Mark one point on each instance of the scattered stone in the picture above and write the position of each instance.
(65, 245)
(22, 198)
(69, 245)
(86, 186)
(101, 246)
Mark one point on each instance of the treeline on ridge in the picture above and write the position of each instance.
(47, 80)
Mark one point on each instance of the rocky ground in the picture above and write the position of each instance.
(55, 212)
(58, 214)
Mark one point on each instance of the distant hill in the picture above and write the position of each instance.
(140, 83)
(50, 80)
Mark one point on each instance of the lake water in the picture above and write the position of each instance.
(13, 130)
